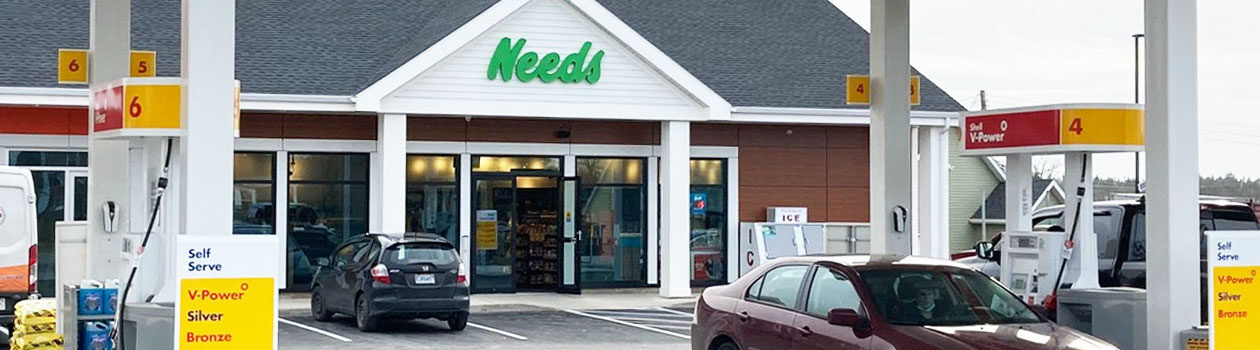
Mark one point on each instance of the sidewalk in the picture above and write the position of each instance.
(595, 299)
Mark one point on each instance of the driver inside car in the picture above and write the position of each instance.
(926, 305)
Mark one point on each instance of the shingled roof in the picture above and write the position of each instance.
(995, 204)
(765, 53)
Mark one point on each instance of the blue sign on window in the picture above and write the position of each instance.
(699, 203)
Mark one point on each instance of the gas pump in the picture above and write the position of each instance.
(1035, 265)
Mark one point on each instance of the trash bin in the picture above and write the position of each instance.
(1117, 315)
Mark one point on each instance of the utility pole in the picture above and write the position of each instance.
(1137, 93)
(984, 101)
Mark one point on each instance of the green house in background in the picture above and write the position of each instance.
(972, 179)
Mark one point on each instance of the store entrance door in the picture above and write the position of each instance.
(517, 242)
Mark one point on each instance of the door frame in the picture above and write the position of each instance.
(475, 201)
(570, 220)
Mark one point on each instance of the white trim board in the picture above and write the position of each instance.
(49, 142)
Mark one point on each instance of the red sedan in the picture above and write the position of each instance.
(872, 302)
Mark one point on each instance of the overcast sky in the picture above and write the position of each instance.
(1030, 52)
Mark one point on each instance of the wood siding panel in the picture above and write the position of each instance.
(268, 125)
(436, 129)
(783, 167)
(783, 136)
(703, 134)
(852, 137)
(43, 121)
(516, 130)
(610, 132)
(848, 204)
(330, 127)
(848, 167)
(753, 201)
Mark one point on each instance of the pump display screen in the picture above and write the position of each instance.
(1019, 281)
(1025, 242)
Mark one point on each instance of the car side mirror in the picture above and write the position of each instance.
(321, 262)
(848, 318)
(1040, 309)
(984, 250)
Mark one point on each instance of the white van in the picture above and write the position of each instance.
(17, 239)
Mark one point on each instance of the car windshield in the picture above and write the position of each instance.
(414, 253)
(924, 297)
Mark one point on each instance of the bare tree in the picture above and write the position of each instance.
(1047, 167)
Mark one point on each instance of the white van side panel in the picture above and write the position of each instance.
(17, 229)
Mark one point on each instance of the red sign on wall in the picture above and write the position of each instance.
(107, 111)
(1035, 128)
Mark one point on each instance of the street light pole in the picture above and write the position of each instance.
(1137, 93)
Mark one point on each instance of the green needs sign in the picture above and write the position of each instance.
(509, 60)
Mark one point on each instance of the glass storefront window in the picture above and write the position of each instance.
(611, 205)
(708, 221)
(328, 202)
(253, 193)
(433, 196)
(48, 158)
(497, 164)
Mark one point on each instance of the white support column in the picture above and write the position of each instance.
(282, 218)
(465, 211)
(918, 241)
(653, 221)
(208, 36)
(890, 125)
(1019, 192)
(1081, 273)
(675, 209)
(389, 175)
(1172, 168)
(108, 60)
(933, 189)
(732, 219)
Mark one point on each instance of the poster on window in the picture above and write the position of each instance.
(699, 203)
(487, 229)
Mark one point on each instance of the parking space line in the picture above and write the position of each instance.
(499, 331)
(650, 319)
(619, 314)
(313, 329)
(672, 311)
(613, 320)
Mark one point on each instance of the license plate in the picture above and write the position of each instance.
(4, 304)
(425, 278)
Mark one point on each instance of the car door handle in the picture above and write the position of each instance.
(743, 316)
(805, 331)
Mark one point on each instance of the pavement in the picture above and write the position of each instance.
(617, 318)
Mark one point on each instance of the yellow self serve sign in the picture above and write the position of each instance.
(858, 90)
(72, 65)
(227, 300)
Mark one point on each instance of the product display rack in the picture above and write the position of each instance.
(537, 249)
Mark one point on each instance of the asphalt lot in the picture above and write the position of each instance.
(535, 329)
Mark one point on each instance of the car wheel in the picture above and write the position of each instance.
(363, 315)
(728, 345)
(319, 307)
(458, 321)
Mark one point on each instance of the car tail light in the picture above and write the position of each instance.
(380, 273)
(462, 277)
(33, 258)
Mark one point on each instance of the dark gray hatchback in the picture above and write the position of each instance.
(375, 276)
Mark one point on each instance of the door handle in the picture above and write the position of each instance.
(805, 331)
(743, 316)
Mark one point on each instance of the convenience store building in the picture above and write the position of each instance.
(542, 136)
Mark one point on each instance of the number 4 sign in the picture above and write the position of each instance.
(858, 88)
